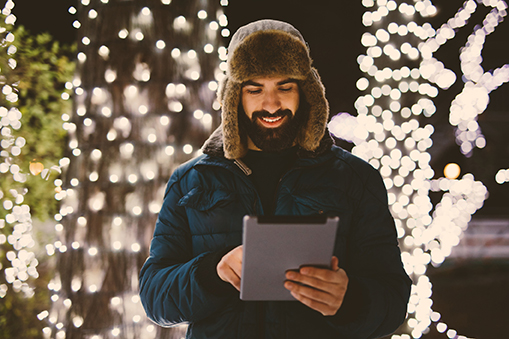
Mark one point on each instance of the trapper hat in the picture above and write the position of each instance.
(269, 48)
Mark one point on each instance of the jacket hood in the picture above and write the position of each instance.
(270, 48)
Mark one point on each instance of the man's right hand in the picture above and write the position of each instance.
(229, 268)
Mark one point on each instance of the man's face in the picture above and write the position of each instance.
(269, 107)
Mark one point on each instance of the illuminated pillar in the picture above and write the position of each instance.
(144, 95)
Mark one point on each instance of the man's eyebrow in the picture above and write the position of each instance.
(280, 83)
(286, 81)
(251, 83)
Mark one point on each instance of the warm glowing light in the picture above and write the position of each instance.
(123, 33)
(202, 14)
(452, 171)
(387, 134)
(213, 25)
(198, 114)
(502, 176)
(169, 150)
(160, 44)
(96, 105)
(175, 53)
(208, 48)
(187, 149)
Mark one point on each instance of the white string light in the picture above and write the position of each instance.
(17, 225)
(474, 98)
(390, 137)
(122, 238)
(17, 215)
(502, 176)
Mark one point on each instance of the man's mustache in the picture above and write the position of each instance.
(266, 114)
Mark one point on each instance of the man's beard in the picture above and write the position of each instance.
(272, 139)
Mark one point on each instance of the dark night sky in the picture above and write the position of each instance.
(46, 16)
(333, 29)
(320, 26)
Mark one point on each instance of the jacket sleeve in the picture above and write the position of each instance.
(172, 289)
(380, 287)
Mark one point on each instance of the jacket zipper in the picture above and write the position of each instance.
(247, 171)
(278, 186)
(274, 201)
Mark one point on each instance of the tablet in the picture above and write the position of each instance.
(274, 245)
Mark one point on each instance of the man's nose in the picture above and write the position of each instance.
(271, 102)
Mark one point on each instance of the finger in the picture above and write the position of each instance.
(231, 277)
(229, 270)
(238, 253)
(236, 266)
(334, 263)
(235, 282)
(323, 274)
(309, 281)
(315, 305)
(321, 296)
(234, 260)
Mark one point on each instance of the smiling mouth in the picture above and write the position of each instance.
(271, 121)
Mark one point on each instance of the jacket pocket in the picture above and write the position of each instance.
(214, 217)
(318, 200)
(203, 200)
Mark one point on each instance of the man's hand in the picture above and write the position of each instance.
(322, 290)
(229, 268)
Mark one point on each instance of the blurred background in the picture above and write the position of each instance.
(103, 99)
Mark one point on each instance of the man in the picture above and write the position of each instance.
(272, 155)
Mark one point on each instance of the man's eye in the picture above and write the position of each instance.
(285, 89)
(253, 91)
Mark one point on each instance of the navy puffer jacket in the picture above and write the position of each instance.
(201, 219)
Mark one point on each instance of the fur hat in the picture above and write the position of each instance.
(270, 48)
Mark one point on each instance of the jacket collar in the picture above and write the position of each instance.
(214, 146)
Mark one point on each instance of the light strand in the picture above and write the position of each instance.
(16, 225)
(390, 138)
(125, 139)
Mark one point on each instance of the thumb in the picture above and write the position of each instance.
(334, 263)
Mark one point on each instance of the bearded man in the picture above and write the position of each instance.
(272, 155)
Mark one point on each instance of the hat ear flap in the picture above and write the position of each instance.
(229, 96)
(314, 92)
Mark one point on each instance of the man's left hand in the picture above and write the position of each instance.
(321, 289)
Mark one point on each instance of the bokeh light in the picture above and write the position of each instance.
(387, 134)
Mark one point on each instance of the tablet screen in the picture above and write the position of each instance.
(273, 245)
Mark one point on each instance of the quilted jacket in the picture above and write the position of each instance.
(201, 218)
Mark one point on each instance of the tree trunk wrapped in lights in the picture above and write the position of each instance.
(144, 103)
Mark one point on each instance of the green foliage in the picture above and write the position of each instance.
(42, 68)
(18, 313)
